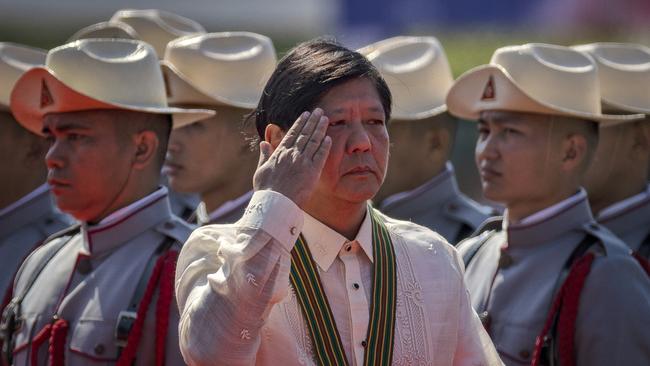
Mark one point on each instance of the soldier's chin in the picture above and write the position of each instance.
(494, 194)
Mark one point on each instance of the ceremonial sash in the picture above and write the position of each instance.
(318, 314)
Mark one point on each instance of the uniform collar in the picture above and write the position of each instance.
(437, 191)
(568, 215)
(27, 209)
(325, 243)
(225, 209)
(127, 222)
(628, 213)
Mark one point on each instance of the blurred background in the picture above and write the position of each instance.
(469, 30)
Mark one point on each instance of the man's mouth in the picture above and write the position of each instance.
(488, 173)
(360, 170)
(171, 168)
(57, 185)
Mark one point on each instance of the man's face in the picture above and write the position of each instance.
(89, 161)
(356, 165)
(201, 155)
(517, 158)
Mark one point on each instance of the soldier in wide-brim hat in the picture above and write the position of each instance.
(101, 291)
(550, 284)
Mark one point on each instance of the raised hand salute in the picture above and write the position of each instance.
(293, 167)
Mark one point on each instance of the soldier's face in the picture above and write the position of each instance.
(201, 156)
(356, 165)
(517, 160)
(88, 164)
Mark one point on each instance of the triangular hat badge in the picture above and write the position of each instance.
(489, 92)
(46, 96)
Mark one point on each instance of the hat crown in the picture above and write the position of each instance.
(111, 70)
(228, 67)
(417, 73)
(546, 72)
(157, 27)
(110, 29)
(624, 73)
(14, 61)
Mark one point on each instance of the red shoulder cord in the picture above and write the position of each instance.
(566, 303)
(163, 273)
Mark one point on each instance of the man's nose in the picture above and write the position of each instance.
(358, 139)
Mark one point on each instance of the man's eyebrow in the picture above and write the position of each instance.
(376, 109)
(63, 127)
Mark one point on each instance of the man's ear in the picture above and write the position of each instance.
(574, 151)
(146, 145)
(273, 134)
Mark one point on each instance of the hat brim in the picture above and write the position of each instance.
(624, 107)
(29, 106)
(464, 99)
(182, 90)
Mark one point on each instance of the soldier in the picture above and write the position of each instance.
(422, 189)
(356, 287)
(551, 285)
(617, 181)
(156, 27)
(27, 214)
(100, 292)
(224, 72)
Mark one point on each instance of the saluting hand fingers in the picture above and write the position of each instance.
(290, 138)
(316, 138)
(307, 131)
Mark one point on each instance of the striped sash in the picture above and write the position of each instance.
(318, 314)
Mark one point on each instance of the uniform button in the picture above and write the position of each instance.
(524, 354)
(485, 319)
(169, 225)
(364, 344)
(99, 349)
(356, 286)
(84, 266)
(293, 230)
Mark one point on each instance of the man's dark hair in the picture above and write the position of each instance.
(305, 74)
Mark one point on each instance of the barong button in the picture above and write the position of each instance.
(364, 344)
(293, 230)
(356, 286)
(348, 248)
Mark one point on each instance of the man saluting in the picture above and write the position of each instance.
(311, 274)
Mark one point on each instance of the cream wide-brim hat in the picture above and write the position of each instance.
(110, 29)
(96, 74)
(532, 78)
(417, 72)
(227, 68)
(157, 27)
(624, 72)
(15, 60)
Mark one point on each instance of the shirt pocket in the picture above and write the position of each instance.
(95, 341)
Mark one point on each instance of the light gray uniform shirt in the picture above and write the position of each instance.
(613, 321)
(92, 278)
(24, 225)
(440, 206)
(630, 220)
